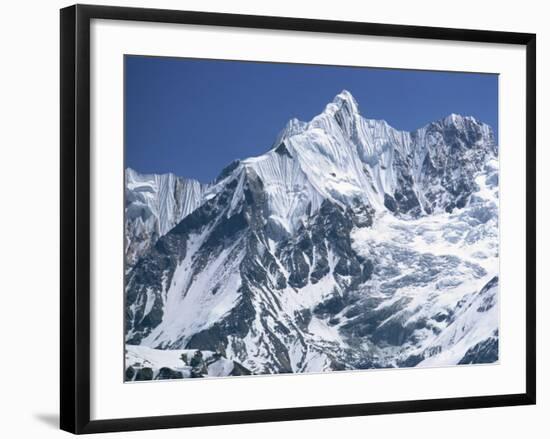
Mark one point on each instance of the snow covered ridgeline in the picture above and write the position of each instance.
(338, 156)
(145, 364)
(348, 245)
(154, 204)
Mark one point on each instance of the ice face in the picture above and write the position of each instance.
(154, 205)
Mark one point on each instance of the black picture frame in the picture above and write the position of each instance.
(75, 217)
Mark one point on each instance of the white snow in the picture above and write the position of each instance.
(195, 303)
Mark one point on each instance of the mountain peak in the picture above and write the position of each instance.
(292, 127)
(343, 107)
(459, 120)
(344, 99)
(345, 95)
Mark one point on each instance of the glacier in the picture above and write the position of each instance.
(347, 245)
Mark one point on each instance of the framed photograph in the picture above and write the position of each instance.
(268, 218)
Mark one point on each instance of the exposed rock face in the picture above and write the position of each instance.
(146, 364)
(485, 351)
(318, 254)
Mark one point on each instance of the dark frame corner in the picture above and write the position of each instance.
(75, 217)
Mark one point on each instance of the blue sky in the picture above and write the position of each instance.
(193, 117)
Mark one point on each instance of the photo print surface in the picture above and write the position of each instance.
(290, 218)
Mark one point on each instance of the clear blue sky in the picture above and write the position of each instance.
(193, 117)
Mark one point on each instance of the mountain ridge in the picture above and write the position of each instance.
(274, 267)
(371, 139)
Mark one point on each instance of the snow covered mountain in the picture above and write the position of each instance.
(348, 245)
(154, 205)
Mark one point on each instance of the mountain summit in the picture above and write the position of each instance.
(320, 254)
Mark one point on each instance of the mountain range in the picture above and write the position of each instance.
(347, 245)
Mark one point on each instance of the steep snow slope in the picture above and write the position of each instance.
(155, 204)
(344, 158)
(348, 245)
